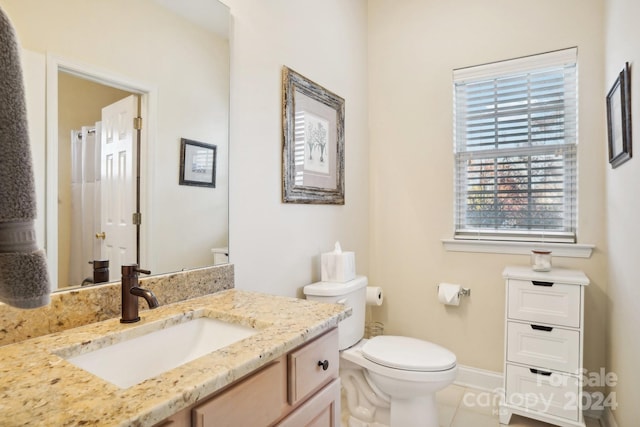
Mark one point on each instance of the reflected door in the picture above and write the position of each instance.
(118, 159)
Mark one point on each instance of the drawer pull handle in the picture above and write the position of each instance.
(542, 328)
(324, 364)
(539, 372)
(539, 283)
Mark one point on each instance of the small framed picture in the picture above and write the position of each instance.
(619, 119)
(197, 163)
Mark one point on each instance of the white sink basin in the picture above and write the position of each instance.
(132, 361)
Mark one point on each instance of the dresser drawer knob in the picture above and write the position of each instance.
(542, 328)
(324, 364)
(539, 283)
(539, 372)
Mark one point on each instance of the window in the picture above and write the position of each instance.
(515, 138)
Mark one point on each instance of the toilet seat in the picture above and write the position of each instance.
(409, 354)
(354, 355)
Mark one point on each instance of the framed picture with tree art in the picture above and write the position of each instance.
(619, 118)
(312, 142)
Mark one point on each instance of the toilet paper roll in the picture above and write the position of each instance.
(374, 295)
(449, 293)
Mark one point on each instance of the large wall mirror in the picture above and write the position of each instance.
(138, 76)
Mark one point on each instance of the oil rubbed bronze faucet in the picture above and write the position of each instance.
(131, 292)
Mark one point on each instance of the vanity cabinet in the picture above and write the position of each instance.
(298, 389)
(544, 333)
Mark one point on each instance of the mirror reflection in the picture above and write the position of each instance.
(91, 67)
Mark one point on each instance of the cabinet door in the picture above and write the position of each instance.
(258, 400)
(321, 410)
(179, 419)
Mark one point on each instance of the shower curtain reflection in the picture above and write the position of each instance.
(85, 203)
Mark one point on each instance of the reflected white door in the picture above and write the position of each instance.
(118, 189)
(97, 195)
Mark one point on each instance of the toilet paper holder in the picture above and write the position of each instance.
(464, 292)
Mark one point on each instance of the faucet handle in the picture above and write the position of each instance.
(133, 270)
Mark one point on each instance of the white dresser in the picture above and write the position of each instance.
(543, 345)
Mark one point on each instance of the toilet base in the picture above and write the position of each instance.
(380, 396)
(416, 412)
(365, 406)
(362, 407)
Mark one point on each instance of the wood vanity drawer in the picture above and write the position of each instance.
(547, 392)
(321, 410)
(258, 400)
(543, 302)
(544, 346)
(306, 371)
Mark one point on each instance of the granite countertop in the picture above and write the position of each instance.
(38, 387)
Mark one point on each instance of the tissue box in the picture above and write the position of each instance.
(338, 267)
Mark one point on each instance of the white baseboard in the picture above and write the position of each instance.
(607, 419)
(598, 415)
(478, 378)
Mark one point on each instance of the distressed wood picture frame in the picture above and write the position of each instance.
(312, 142)
(619, 119)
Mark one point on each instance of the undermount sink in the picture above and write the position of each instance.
(132, 361)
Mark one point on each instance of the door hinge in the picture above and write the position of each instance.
(137, 218)
(137, 123)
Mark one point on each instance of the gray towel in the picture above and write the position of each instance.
(24, 279)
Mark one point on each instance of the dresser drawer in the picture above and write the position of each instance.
(544, 346)
(542, 302)
(554, 394)
(313, 366)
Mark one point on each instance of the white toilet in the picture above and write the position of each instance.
(388, 380)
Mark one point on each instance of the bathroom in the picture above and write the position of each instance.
(392, 62)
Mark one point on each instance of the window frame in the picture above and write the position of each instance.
(565, 59)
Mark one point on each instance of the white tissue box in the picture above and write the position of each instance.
(338, 267)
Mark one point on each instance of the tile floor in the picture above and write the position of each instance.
(467, 407)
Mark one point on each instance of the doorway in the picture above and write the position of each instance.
(70, 87)
(80, 234)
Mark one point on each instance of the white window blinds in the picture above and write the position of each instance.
(515, 136)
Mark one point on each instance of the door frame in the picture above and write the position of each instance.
(148, 111)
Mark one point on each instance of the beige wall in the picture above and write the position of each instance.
(275, 246)
(408, 52)
(623, 205)
(413, 47)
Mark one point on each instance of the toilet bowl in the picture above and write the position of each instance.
(388, 380)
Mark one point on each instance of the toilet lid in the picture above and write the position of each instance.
(407, 353)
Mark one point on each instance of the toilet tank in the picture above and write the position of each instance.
(352, 294)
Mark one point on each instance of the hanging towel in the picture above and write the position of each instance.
(24, 279)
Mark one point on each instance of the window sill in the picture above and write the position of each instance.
(569, 250)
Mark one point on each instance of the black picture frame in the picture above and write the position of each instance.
(619, 119)
(197, 163)
(312, 142)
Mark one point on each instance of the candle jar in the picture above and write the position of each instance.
(541, 260)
